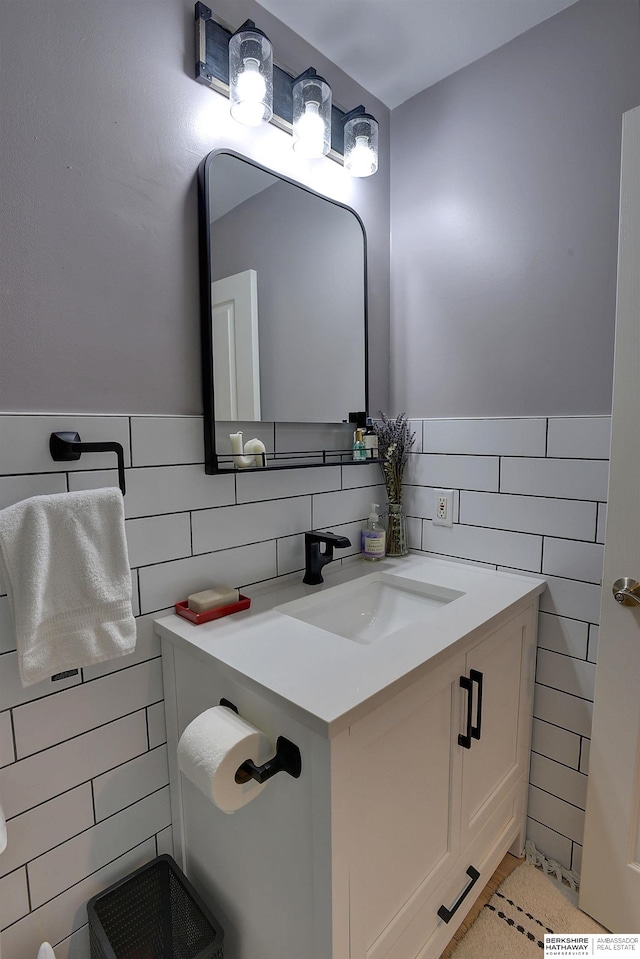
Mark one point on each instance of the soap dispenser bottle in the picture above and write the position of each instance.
(373, 537)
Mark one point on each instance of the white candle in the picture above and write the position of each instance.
(256, 447)
(242, 462)
(236, 443)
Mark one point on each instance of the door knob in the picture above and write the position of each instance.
(626, 591)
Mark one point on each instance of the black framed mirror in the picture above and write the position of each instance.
(283, 292)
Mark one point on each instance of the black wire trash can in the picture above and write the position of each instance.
(154, 913)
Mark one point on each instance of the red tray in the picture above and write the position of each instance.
(182, 609)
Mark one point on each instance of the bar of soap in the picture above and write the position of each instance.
(212, 598)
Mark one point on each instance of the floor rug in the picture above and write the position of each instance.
(512, 925)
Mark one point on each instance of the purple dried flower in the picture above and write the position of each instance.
(394, 443)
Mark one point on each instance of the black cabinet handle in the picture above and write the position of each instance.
(473, 732)
(477, 677)
(464, 739)
(445, 913)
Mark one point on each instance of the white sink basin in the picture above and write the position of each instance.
(371, 608)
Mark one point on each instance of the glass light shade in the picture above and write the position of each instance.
(250, 77)
(361, 145)
(311, 116)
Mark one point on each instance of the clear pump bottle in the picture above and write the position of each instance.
(373, 537)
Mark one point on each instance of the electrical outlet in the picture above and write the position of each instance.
(443, 507)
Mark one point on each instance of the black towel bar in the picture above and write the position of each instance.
(67, 446)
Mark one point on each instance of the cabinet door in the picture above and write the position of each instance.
(501, 672)
(405, 805)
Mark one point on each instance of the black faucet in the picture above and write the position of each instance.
(314, 558)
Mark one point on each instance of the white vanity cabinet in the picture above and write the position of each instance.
(395, 812)
(420, 808)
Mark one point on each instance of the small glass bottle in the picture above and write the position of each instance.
(370, 439)
(359, 449)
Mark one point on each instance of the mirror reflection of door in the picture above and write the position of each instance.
(236, 354)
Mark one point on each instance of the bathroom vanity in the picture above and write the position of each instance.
(408, 690)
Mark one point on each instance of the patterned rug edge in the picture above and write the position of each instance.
(550, 867)
(509, 925)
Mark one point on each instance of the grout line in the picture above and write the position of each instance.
(566, 801)
(49, 799)
(28, 885)
(85, 732)
(555, 726)
(93, 872)
(84, 683)
(539, 457)
(546, 438)
(547, 826)
(130, 805)
(565, 692)
(556, 652)
(84, 782)
(551, 759)
(13, 732)
(553, 536)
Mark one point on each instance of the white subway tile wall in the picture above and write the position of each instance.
(532, 497)
(83, 761)
(83, 766)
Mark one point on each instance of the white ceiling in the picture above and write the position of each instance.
(396, 48)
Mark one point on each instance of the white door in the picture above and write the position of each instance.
(610, 887)
(236, 357)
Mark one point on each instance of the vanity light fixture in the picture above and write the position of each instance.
(250, 75)
(240, 66)
(311, 114)
(360, 143)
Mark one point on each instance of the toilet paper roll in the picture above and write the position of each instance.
(211, 749)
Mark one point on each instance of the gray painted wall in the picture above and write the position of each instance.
(103, 129)
(505, 180)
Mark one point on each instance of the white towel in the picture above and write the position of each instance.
(45, 952)
(68, 580)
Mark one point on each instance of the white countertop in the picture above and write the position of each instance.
(326, 678)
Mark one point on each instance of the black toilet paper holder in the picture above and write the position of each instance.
(287, 759)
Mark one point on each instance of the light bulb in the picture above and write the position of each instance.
(310, 132)
(311, 115)
(361, 144)
(363, 161)
(251, 88)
